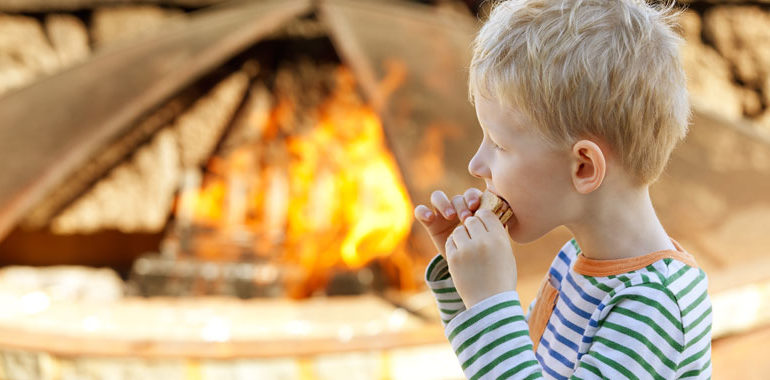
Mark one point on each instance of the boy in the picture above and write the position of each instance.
(581, 104)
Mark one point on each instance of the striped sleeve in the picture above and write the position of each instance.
(639, 335)
(690, 285)
(443, 288)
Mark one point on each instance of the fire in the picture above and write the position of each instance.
(329, 196)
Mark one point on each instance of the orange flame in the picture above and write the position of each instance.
(325, 197)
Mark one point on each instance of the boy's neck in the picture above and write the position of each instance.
(622, 227)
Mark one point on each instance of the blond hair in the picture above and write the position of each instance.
(589, 68)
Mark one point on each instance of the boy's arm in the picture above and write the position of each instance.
(440, 283)
(639, 336)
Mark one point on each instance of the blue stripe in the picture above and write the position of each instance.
(556, 275)
(561, 338)
(557, 355)
(580, 291)
(567, 323)
(593, 323)
(574, 308)
(563, 257)
(548, 369)
(588, 339)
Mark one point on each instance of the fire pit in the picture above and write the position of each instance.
(273, 203)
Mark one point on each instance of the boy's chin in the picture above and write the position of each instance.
(519, 235)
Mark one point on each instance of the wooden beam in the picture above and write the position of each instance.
(52, 127)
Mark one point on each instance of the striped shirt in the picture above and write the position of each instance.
(646, 317)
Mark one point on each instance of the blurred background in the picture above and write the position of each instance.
(208, 189)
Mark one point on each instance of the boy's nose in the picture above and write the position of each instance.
(477, 168)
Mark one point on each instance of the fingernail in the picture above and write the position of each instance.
(427, 215)
(465, 214)
(450, 213)
(473, 203)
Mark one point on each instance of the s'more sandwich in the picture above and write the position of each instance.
(497, 205)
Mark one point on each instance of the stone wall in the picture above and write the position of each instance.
(35, 45)
(727, 59)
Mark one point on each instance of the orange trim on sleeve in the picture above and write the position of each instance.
(541, 312)
(601, 268)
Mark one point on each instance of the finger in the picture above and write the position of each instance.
(424, 214)
(473, 198)
(449, 247)
(441, 202)
(475, 227)
(490, 220)
(458, 201)
(460, 236)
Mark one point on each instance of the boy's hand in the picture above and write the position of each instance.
(445, 215)
(480, 258)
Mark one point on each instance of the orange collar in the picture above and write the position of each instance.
(602, 268)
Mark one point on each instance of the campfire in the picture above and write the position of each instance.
(248, 185)
(306, 201)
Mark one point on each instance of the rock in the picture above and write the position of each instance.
(741, 34)
(137, 195)
(751, 102)
(69, 37)
(709, 79)
(25, 53)
(39, 6)
(111, 24)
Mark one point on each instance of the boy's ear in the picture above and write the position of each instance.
(588, 166)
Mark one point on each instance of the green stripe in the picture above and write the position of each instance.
(625, 280)
(591, 368)
(535, 375)
(649, 322)
(433, 265)
(510, 372)
(697, 321)
(662, 289)
(649, 302)
(598, 284)
(451, 300)
(699, 337)
(678, 274)
(695, 356)
(641, 338)
(657, 273)
(490, 346)
(575, 245)
(613, 364)
(509, 354)
(445, 290)
(481, 315)
(693, 284)
(632, 354)
(447, 311)
(696, 372)
(695, 303)
(489, 328)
